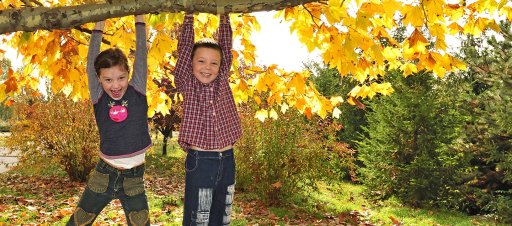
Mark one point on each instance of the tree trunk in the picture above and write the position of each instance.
(66, 17)
(164, 148)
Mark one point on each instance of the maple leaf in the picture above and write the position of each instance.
(273, 114)
(261, 115)
(336, 113)
(11, 85)
(297, 83)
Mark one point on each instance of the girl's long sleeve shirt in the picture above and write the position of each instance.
(129, 139)
(210, 119)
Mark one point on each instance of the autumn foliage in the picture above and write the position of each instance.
(58, 129)
(355, 37)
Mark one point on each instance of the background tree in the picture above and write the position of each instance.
(488, 136)
(166, 124)
(408, 151)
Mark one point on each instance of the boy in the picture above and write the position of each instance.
(210, 124)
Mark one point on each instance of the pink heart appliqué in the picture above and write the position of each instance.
(118, 113)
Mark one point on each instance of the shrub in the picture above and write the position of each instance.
(280, 158)
(58, 129)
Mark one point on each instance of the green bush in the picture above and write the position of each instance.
(281, 158)
(408, 151)
(58, 129)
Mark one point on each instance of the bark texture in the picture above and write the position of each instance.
(51, 18)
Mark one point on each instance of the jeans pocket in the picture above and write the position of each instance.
(133, 185)
(191, 163)
(98, 182)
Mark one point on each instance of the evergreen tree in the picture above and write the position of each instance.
(407, 151)
(489, 135)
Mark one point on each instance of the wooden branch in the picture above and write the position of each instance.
(67, 17)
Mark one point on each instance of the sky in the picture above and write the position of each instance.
(275, 45)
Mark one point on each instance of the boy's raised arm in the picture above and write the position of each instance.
(225, 36)
(94, 49)
(140, 65)
(185, 46)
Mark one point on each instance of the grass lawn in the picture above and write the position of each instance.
(42, 194)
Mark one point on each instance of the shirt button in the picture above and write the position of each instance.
(211, 89)
(213, 114)
(211, 101)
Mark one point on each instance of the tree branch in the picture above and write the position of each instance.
(66, 17)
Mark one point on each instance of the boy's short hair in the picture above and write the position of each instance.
(207, 43)
(109, 58)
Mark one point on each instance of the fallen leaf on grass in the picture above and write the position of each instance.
(277, 184)
(395, 221)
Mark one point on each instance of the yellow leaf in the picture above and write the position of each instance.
(409, 68)
(417, 38)
(284, 108)
(363, 21)
(336, 100)
(456, 63)
(434, 9)
(454, 28)
(492, 25)
(300, 103)
(3, 95)
(261, 115)
(354, 92)
(414, 45)
(11, 85)
(273, 114)
(454, 11)
(260, 83)
(336, 113)
(257, 99)
(242, 85)
(413, 15)
(384, 88)
(507, 11)
(297, 84)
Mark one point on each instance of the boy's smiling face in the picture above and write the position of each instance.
(114, 81)
(206, 64)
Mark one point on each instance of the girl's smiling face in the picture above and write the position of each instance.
(114, 81)
(206, 64)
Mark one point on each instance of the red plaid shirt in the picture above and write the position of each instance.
(210, 119)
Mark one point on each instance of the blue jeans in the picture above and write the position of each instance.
(107, 183)
(209, 187)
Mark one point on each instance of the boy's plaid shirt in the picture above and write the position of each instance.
(210, 119)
